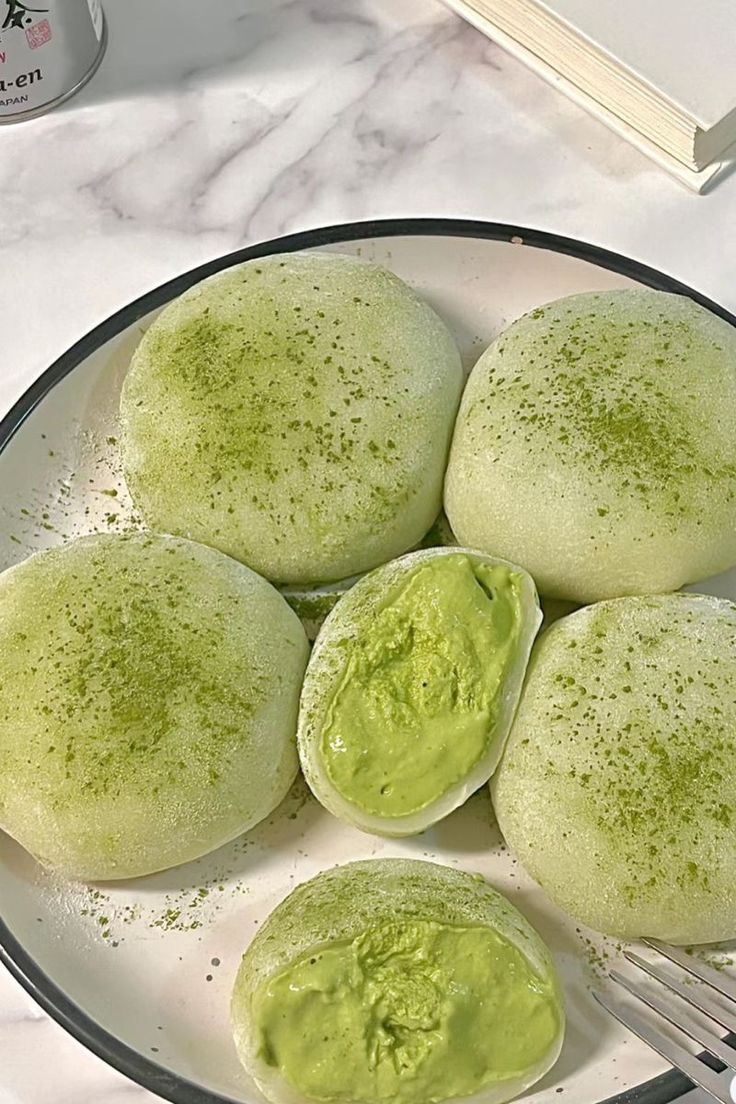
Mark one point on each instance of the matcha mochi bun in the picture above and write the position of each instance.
(394, 981)
(312, 604)
(595, 446)
(412, 685)
(617, 789)
(148, 698)
(294, 412)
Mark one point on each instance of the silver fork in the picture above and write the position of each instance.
(676, 1013)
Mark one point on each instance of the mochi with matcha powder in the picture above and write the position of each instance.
(294, 412)
(395, 981)
(311, 604)
(148, 703)
(617, 789)
(595, 446)
(412, 685)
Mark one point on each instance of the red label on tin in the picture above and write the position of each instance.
(39, 34)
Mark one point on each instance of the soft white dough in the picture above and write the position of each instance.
(595, 446)
(296, 413)
(617, 789)
(148, 703)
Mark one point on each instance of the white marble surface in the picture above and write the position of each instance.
(212, 125)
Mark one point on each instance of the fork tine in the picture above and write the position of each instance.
(722, 983)
(681, 1059)
(689, 993)
(682, 1021)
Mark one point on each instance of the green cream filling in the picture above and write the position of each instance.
(410, 1011)
(416, 705)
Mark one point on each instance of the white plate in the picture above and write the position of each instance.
(141, 971)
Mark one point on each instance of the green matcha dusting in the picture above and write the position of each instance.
(650, 778)
(185, 911)
(132, 705)
(304, 424)
(593, 376)
(720, 960)
(599, 954)
(198, 903)
(192, 909)
(119, 663)
(258, 431)
(109, 919)
(626, 740)
(54, 508)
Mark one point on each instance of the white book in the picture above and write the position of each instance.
(661, 72)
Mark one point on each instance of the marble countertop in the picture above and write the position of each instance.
(204, 132)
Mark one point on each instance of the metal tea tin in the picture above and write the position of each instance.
(48, 50)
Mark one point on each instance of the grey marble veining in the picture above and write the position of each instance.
(203, 132)
(211, 126)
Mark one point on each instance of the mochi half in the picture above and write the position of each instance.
(396, 980)
(412, 686)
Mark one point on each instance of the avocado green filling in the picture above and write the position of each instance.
(415, 708)
(411, 1011)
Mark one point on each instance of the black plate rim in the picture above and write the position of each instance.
(662, 1089)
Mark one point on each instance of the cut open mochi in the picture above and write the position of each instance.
(412, 686)
(396, 980)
